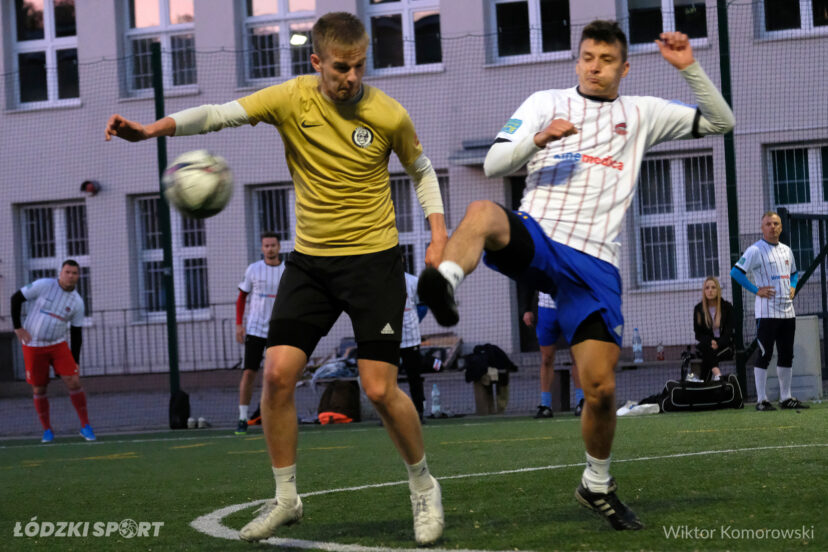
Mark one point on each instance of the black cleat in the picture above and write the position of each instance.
(241, 428)
(579, 408)
(793, 404)
(765, 406)
(435, 291)
(543, 412)
(609, 507)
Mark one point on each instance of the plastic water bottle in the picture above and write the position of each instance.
(638, 348)
(435, 401)
(660, 351)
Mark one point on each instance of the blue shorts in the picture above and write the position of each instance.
(548, 329)
(580, 283)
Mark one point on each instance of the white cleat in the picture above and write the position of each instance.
(428, 515)
(271, 516)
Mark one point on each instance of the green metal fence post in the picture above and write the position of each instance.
(732, 192)
(164, 216)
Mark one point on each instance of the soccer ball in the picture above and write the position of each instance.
(198, 184)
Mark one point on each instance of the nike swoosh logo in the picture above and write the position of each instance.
(306, 125)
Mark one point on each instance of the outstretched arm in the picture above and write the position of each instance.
(428, 194)
(195, 120)
(716, 116)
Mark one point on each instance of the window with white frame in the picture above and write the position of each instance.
(675, 225)
(647, 19)
(530, 28)
(404, 33)
(798, 176)
(189, 253)
(52, 234)
(271, 210)
(412, 226)
(792, 17)
(277, 38)
(170, 23)
(45, 46)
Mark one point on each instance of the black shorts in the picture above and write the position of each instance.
(775, 330)
(315, 290)
(254, 347)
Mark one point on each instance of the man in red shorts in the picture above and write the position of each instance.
(56, 305)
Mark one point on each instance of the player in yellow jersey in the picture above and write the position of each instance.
(338, 134)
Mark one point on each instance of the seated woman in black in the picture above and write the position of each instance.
(713, 321)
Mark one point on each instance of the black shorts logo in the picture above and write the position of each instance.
(362, 137)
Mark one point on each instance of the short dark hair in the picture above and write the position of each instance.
(269, 235)
(605, 31)
(70, 262)
(339, 28)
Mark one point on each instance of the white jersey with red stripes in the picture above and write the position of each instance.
(261, 281)
(411, 320)
(51, 311)
(771, 265)
(578, 188)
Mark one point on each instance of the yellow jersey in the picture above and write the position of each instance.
(338, 159)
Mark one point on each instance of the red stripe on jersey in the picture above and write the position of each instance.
(586, 183)
(569, 178)
(542, 161)
(617, 180)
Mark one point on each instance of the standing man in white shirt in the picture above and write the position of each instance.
(773, 269)
(261, 281)
(584, 147)
(56, 307)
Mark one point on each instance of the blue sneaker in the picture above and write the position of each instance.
(87, 433)
(48, 436)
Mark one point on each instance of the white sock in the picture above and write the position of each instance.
(785, 376)
(452, 272)
(760, 376)
(243, 411)
(285, 484)
(596, 476)
(419, 478)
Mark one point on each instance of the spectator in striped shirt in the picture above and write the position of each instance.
(261, 281)
(773, 268)
(583, 148)
(56, 307)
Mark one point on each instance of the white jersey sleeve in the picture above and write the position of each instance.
(545, 301)
(749, 260)
(36, 288)
(529, 119)
(246, 284)
(667, 119)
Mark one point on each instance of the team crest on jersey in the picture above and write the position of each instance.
(621, 128)
(362, 137)
(511, 126)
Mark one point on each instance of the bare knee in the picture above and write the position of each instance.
(277, 380)
(378, 392)
(600, 395)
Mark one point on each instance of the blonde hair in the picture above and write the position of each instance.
(717, 302)
(339, 29)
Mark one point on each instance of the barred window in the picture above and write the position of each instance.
(189, 253)
(52, 234)
(271, 212)
(798, 177)
(170, 23)
(675, 219)
(278, 38)
(412, 226)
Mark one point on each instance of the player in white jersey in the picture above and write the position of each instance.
(548, 330)
(410, 360)
(772, 266)
(56, 307)
(261, 281)
(584, 146)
